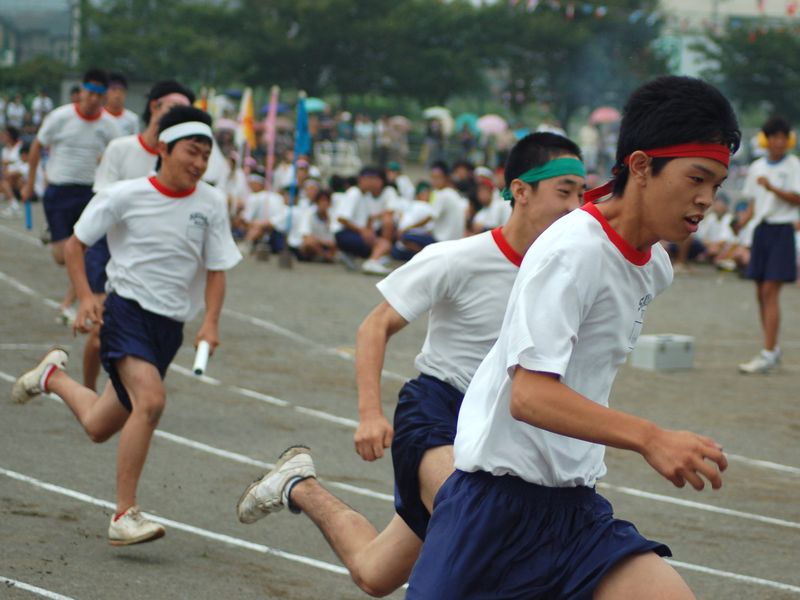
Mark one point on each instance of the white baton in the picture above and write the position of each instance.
(201, 358)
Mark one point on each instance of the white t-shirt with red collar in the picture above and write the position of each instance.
(465, 285)
(126, 157)
(76, 143)
(127, 121)
(576, 310)
(161, 242)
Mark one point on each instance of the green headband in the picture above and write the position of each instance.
(554, 168)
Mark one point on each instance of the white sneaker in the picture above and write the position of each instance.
(10, 212)
(132, 528)
(761, 363)
(268, 494)
(374, 267)
(29, 385)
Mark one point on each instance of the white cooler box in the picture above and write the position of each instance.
(663, 352)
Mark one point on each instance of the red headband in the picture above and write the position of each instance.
(717, 152)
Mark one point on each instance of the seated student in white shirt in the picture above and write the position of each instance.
(449, 207)
(717, 235)
(415, 226)
(11, 172)
(170, 246)
(521, 517)
(495, 210)
(317, 242)
(263, 210)
(462, 287)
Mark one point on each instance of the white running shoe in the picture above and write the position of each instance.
(268, 494)
(29, 386)
(132, 528)
(374, 267)
(761, 363)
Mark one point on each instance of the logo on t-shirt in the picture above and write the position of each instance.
(198, 224)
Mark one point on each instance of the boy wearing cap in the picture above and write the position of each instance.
(76, 134)
(126, 157)
(170, 247)
(520, 517)
(773, 189)
(127, 120)
(463, 285)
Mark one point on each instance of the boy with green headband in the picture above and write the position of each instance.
(463, 285)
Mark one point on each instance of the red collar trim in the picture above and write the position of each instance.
(502, 243)
(114, 114)
(630, 253)
(167, 191)
(147, 148)
(87, 117)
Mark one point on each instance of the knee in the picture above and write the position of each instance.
(151, 409)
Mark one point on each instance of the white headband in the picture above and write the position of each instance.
(183, 130)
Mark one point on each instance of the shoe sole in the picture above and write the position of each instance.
(285, 456)
(140, 540)
(18, 393)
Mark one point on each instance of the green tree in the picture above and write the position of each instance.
(29, 77)
(757, 68)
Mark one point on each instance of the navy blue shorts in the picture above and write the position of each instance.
(351, 242)
(63, 205)
(130, 330)
(772, 254)
(418, 238)
(426, 417)
(96, 259)
(501, 537)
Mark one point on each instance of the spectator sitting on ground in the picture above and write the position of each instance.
(415, 227)
(318, 242)
(263, 210)
(402, 182)
(494, 210)
(717, 236)
(235, 186)
(449, 208)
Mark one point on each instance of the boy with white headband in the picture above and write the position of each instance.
(464, 286)
(170, 246)
(126, 157)
(520, 517)
(77, 135)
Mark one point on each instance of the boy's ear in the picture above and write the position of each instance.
(639, 166)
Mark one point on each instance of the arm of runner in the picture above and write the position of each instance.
(33, 163)
(89, 310)
(374, 431)
(541, 400)
(215, 296)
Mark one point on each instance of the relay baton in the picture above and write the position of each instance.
(201, 357)
(28, 215)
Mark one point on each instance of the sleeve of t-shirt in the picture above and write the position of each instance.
(416, 286)
(220, 252)
(97, 218)
(108, 169)
(347, 205)
(49, 128)
(546, 313)
(793, 181)
(750, 186)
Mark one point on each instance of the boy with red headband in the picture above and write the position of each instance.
(520, 517)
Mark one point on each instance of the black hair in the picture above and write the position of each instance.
(673, 110)
(13, 133)
(534, 150)
(441, 165)
(97, 76)
(775, 125)
(337, 183)
(118, 79)
(165, 88)
(75, 89)
(463, 162)
(371, 171)
(183, 114)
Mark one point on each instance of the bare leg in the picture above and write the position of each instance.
(91, 358)
(435, 468)
(643, 576)
(100, 416)
(768, 294)
(146, 390)
(378, 563)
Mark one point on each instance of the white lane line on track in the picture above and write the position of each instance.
(698, 505)
(27, 587)
(211, 535)
(240, 543)
(628, 491)
(21, 236)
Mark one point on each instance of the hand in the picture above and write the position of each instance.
(27, 190)
(372, 436)
(764, 182)
(210, 333)
(680, 456)
(90, 313)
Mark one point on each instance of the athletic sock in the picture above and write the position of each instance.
(46, 374)
(287, 493)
